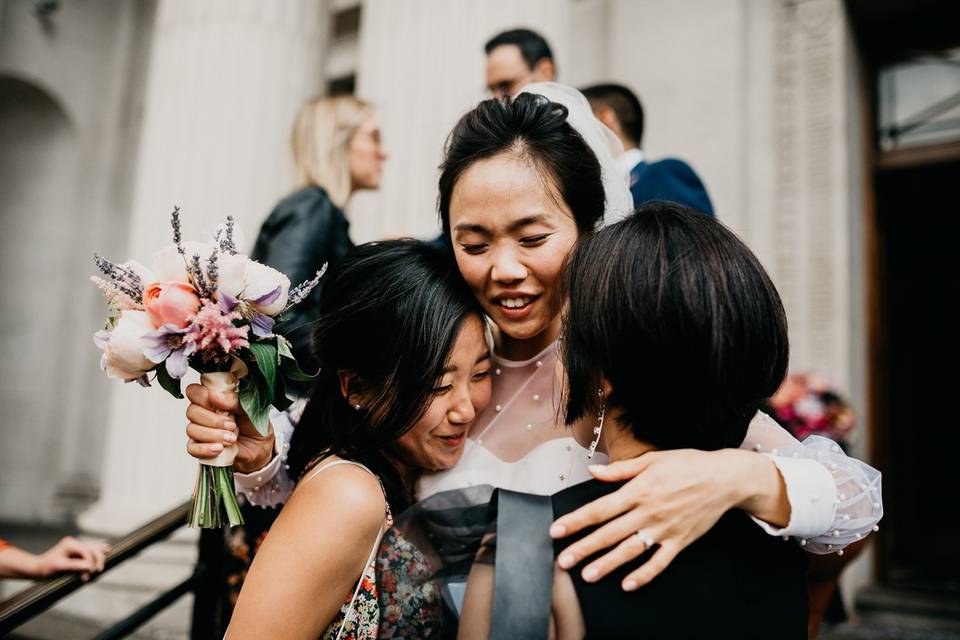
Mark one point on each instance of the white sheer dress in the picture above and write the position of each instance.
(520, 442)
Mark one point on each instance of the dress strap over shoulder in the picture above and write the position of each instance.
(332, 463)
(321, 466)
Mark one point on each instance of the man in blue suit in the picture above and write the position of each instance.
(669, 179)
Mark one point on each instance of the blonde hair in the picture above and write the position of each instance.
(320, 140)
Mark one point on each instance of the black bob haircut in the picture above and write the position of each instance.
(531, 127)
(682, 320)
(625, 104)
(533, 47)
(390, 312)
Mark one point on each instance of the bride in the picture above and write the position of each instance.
(522, 180)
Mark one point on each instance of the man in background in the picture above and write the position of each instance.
(670, 179)
(516, 58)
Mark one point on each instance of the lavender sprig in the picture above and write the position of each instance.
(175, 223)
(114, 295)
(125, 278)
(300, 292)
(193, 268)
(212, 271)
(227, 243)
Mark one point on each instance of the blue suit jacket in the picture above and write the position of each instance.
(669, 179)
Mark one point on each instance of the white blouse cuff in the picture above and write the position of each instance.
(812, 493)
(270, 485)
(254, 480)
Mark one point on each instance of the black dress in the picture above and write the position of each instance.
(736, 581)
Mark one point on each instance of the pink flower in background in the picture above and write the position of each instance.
(805, 404)
(171, 303)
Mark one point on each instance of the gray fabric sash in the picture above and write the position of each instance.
(523, 582)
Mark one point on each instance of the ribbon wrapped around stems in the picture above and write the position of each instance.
(214, 496)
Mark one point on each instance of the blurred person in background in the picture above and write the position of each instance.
(68, 555)
(669, 179)
(516, 58)
(336, 152)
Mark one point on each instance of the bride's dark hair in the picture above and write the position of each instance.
(390, 313)
(680, 317)
(536, 129)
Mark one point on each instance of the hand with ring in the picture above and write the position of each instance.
(672, 498)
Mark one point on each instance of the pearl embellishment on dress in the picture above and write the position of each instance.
(536, 397)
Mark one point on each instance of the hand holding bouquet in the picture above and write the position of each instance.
(208, 307)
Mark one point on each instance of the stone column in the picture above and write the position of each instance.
(225, 80)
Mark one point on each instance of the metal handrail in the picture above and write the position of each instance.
(39, 597)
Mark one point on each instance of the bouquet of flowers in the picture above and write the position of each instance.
(205, 306)
(806, 405)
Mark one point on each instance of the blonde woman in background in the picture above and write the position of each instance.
(336, 152)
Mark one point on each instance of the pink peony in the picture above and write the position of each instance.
(170, 303)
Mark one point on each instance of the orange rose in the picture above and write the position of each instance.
(170, 303)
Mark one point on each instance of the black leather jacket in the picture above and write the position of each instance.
(303, 231)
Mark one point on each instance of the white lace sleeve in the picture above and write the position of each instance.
(834, 499)
(272, 485)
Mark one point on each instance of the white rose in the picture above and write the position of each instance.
(231, 277)
(261, 280)
(170, 266)
(123, 354)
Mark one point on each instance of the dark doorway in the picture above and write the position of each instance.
(918, 237)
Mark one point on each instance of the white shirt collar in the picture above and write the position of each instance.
(630, 159)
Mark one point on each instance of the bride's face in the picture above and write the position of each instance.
(436, 441)
(511, 234)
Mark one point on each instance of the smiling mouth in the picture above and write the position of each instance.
(453, 441)
(517, 303)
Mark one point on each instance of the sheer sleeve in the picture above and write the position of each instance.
(272, 485)
(834, 499)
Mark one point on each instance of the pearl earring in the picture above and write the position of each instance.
(356, 407)
(599, 428)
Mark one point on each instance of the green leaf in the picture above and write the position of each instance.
(171, 384)
(291, 370)
(266, 355)
(288, 363)
(255, 402)
(283, 346)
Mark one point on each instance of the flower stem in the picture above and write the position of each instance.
(214, 500)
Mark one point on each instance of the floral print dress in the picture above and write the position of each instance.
(394, 598)
(404, 604)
